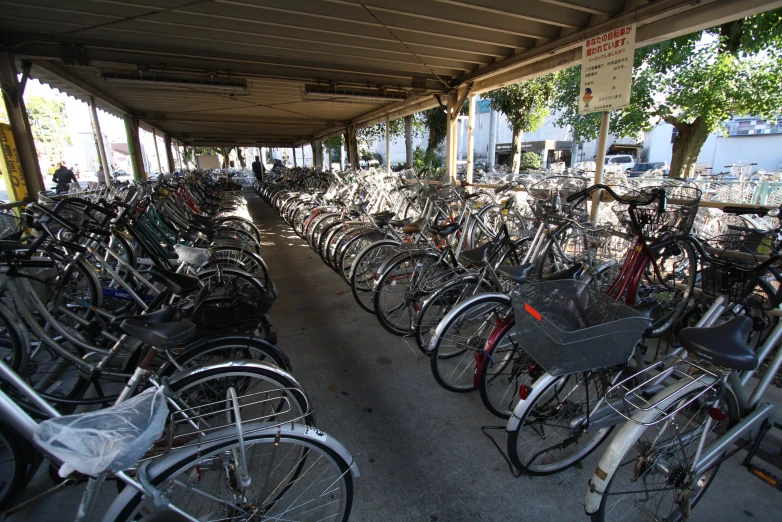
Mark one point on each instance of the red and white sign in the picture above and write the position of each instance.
(607, 70)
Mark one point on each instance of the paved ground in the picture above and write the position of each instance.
(419, 448)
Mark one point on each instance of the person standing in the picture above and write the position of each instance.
(101, 177)
(76, 171)
(63, 177)
(258, 169)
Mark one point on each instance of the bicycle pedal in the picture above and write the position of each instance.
(767, 477)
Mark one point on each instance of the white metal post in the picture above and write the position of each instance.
(99, 139)
(600, 164)
(492, 152)
(470, 138)
(157, 154)
(388, 145)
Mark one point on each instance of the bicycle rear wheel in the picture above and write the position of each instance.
(295, 476)
(461, 335)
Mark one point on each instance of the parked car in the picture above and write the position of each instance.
(623, 161)
(648, 170)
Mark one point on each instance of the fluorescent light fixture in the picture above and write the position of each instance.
(350, 94)
(154, 81)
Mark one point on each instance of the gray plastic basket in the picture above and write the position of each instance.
(570, 327)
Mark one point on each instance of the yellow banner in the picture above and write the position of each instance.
(10, 166)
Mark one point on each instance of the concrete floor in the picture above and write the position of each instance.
(419, 448)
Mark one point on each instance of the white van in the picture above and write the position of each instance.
(622, 161)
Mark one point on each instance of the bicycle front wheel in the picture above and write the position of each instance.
(294, 474)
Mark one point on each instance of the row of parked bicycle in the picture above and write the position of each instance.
(569, 328)
(136, 346)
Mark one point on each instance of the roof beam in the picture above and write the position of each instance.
(508, 10)
(586, 6)
(50, 67)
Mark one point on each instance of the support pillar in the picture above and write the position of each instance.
(99, 140)
(341, 155)
(470, 138)
(451, 134)
(327, 141)
(409, 141)
(388, 145)
(600, 164)
(134, 148)
(293, 152)
(157, 153)
(493, 125)
(314, 154)
(20, 128)
(352, 147)
(303, 162)
(169, 155)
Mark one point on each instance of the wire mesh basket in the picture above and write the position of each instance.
(676, 217)
(737, 253)
(570, 327)
(222, 310)
(11, 225)
(550, 197)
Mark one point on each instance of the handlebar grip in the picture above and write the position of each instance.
(744, 210)
(67, 225)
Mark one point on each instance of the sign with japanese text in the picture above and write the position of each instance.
(607, 70)
(10, 166)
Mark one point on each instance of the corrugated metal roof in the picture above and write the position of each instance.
(279, 46)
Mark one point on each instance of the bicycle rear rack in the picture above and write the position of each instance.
(627, 396)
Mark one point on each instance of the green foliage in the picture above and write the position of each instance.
(49, 123)
(426, 159)
(374, 133)
(700, 80)
(531, 160)
(435, 121)
(525, 104)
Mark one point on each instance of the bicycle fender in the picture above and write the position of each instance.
(459, 309)
(216, 440)
(627, 437)
(518, 412)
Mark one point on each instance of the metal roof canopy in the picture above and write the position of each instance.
(289, 53)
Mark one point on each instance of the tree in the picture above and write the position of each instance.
(49, 122)
(525, 105)
(435, 121)
(695, 83)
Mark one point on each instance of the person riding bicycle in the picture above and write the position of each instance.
(63, 177)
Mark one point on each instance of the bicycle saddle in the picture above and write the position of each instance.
(517, 274)
(165, 315)
(724, 345)
(446, 229)
(414, 227)
(159, 335)
(382, 218)
(399, 222)
(651, 309)
(574, 272)
(179, 284)
(478, 256)
(110, 439)
(193, 234)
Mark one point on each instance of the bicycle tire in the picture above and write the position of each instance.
(365, 268)
(13, 464)
(310, 444)
(13, 341)
(535, 420)
(462, 333)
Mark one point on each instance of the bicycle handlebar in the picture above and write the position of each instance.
(589, 190)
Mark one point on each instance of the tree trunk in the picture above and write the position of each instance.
(409, 141)
(241, 159)
(687, 146)
(516, 151)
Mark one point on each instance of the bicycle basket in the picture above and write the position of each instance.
(570, 327)
(677, 218)
(222, 311)
(550, 196)
(732, 278)
(11, 226)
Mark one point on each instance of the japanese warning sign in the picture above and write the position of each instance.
(607, 70)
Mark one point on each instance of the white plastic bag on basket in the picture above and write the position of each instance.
(193, 256)
(113, 439)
